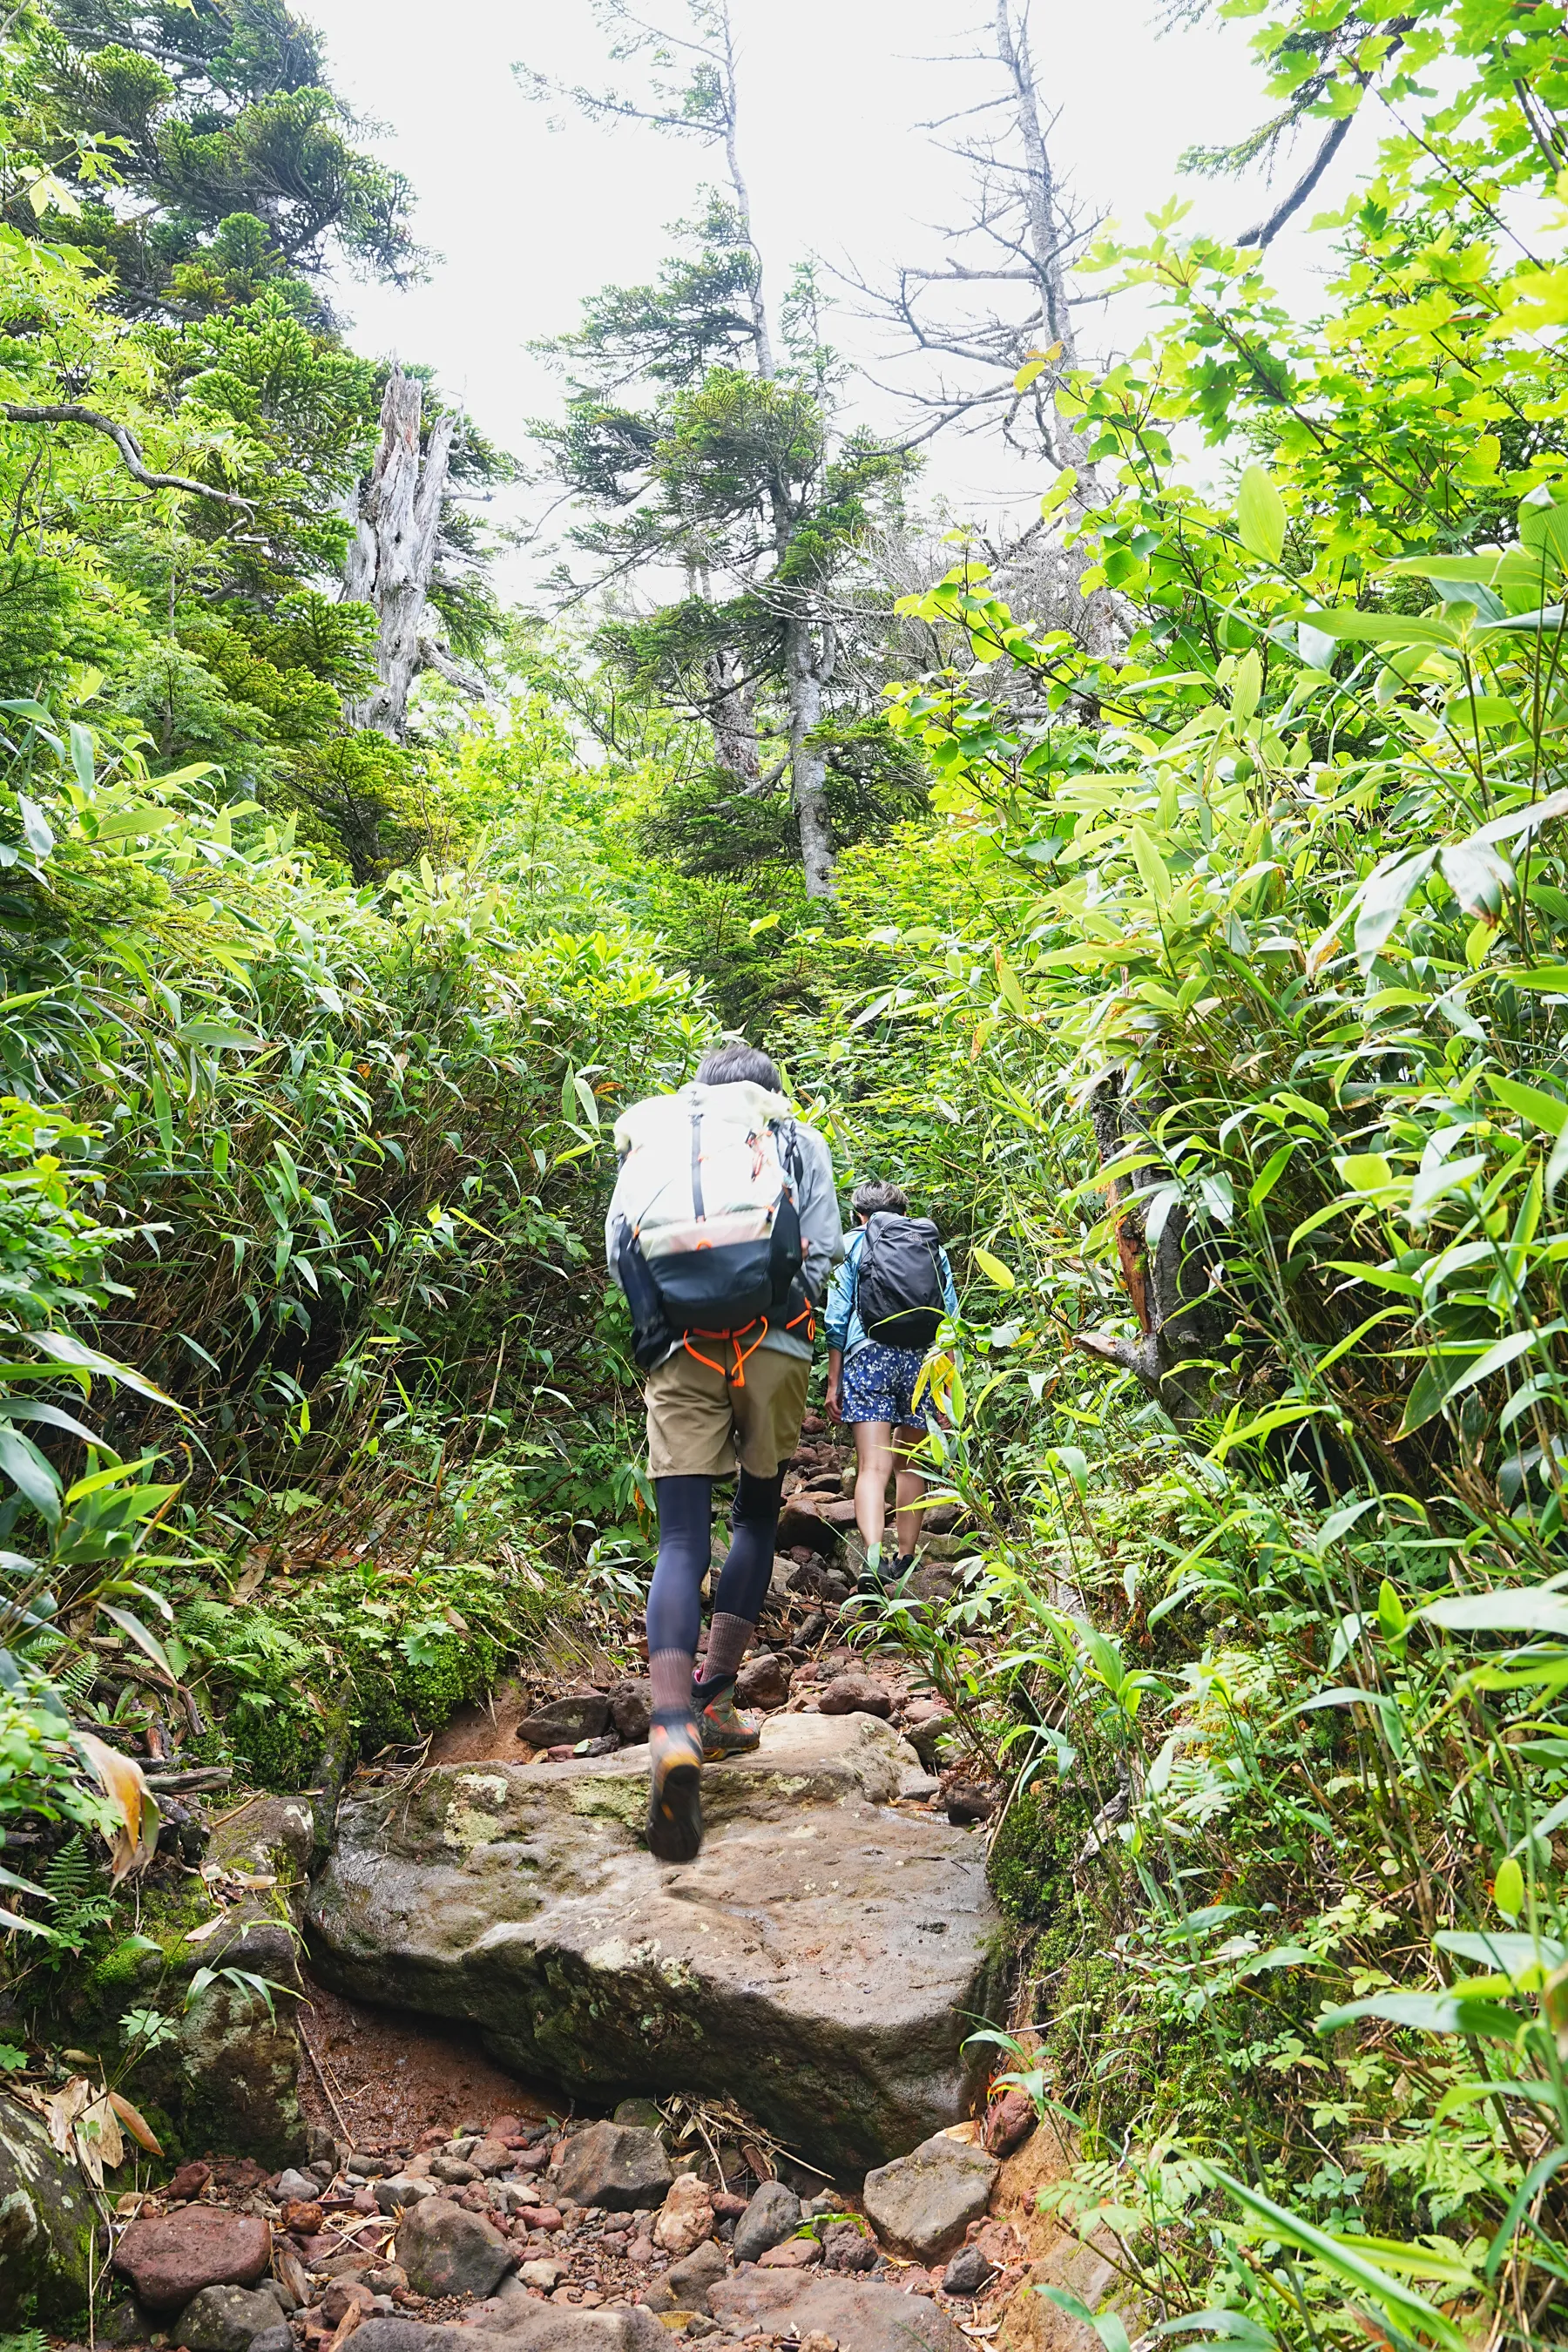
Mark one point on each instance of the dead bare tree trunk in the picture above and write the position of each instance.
(1050, 237)
(732, 714)
(999, 299)
(393, 554)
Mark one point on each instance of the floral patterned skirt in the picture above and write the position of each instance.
(879, 1385)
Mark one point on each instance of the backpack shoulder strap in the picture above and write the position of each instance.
(792, 1159)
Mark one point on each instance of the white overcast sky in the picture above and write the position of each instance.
(528, 219)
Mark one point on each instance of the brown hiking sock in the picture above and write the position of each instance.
(728, 1638)
(669, 1672)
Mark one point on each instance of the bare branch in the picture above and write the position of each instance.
(71, 411)
(432, 655)
(1268, 230)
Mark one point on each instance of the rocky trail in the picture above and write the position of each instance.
(539, 2088)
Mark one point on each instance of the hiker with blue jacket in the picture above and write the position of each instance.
(722, 1231)
(884, 1310)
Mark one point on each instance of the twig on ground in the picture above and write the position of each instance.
(326, 2087)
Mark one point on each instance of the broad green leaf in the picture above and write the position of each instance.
(1246, 686)
(993, 1269)
(1410, 2311)
(1384, 897)
(1366, 1171)
(1480, 568)
(66, 1349)
(1507, 1609)
(1260, 515)
(139, 1634)
(1234, 2325)
(1152, 870)
(1412, 2259)
(30, 1473)
(1548, 1112)
(124, 823)
(1483, 1369)
(1008, 987)
(1478, 878)
(1382, 628)
(221, 1034)
(1110, 2331)
(1268, 1175)
(163, 1113)
(1430, 2013)
(1544, 526)
(1530, 818)
(36, 830)
(83, 754)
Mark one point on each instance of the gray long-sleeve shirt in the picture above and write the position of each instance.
(821, 1231)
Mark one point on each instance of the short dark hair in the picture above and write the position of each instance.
(877, 1194)
(738, 1064)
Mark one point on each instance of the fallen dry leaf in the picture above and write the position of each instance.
(345, 2327)
(119, 1777)
(82, 2121)
(61, 2109)
(251, 1578)
(99, 2144)
(135, 2122)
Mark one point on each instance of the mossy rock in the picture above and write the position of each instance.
(227, 2077)
(1034, 1853)
(47, 2220)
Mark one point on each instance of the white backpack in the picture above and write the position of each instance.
(711, 1245)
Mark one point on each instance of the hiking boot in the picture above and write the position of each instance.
(675, 1794)
(724, 1730)
(903, 1563)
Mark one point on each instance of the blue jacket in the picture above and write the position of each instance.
(844, 1329)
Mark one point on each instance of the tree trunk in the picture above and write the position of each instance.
(1043, 210)
(393, 553)
(732, 714)
(808, 673)
(1181, 1319)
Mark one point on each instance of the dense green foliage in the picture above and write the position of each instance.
(1210, 986)
(217, 122)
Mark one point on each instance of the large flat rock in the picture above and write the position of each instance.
(821, 1960)
(861, 2315)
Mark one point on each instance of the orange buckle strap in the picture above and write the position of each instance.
(735, 1338)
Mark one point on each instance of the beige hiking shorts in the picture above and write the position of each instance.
(702, 1420)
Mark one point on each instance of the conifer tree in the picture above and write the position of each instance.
(696, 438)
(195, 150)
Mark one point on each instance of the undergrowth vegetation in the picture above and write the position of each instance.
(1198, 956)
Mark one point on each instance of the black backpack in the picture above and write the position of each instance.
(898, 1283)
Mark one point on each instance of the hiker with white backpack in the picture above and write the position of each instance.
(884, 1310)
(722, 1231)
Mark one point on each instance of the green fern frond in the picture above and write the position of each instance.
(67, 1875)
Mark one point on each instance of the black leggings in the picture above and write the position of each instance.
(685, 1523)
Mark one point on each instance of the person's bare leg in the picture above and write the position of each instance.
(909, 1490)
(874, 1458)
